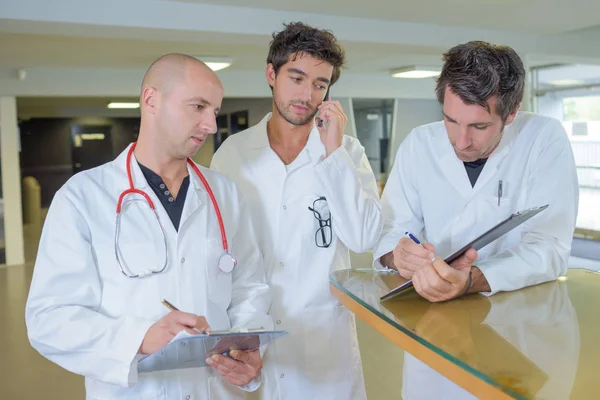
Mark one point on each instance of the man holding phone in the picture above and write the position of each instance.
(454, 180)
(314, 197)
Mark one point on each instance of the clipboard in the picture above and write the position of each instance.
(480, 242)
(191, 351)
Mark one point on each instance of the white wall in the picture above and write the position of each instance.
(408, 114)
(104, 82)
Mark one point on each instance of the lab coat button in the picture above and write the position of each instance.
(281, 263)
(282, 375)
(182, 260)
(285, 207)
(279, 322)
(188, 397)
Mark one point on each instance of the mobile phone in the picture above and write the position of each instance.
(320, 124)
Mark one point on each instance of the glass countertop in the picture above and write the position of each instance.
(541, 342)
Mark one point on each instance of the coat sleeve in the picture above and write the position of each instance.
(543, 252)
(400, 202)
(63, 317)
(347, 180)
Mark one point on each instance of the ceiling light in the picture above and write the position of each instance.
(216, 63)
(124, 105)
(416, 71)
(566, 82)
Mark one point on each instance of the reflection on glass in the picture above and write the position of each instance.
(525, 342)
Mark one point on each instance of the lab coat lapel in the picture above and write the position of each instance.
(140, 183)
(454, 169)
(495, 160)
(315, 147)
(261, 159)
(196, 198)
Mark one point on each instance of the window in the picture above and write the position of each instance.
(571, 93)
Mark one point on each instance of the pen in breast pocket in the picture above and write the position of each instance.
(499, 191)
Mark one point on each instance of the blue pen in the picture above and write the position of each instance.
(410, 235)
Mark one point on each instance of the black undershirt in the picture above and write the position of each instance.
(474, 168)
(173, 206)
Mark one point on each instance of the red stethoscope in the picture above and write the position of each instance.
(226, 262)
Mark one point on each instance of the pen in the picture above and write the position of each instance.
(499, 191)
(169, 305)
(410, 235)
(414, 239)
(173, 308)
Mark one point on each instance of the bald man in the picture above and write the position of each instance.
(94, 306)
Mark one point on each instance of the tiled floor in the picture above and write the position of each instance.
(26, 375)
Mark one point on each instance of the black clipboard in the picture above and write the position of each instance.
(480, 242)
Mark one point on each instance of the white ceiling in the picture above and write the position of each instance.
(86, 47)
(534, 16)
(24, 50)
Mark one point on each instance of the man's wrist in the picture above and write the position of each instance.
(387, 260)
(479, 281)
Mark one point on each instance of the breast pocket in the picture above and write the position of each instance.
(219, 281)
(123, 293)
(319, 229)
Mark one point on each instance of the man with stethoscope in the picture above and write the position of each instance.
(181, 233)
(454, 180)
(315, 195)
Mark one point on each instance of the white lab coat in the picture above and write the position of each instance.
(541, 323)
(86, 316)
(429, 193)
(320, 358)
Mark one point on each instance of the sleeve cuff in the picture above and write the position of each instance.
(131, 346)
(386, 245)
(493, 276)
(253, 385)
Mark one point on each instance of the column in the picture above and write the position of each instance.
(11, 181)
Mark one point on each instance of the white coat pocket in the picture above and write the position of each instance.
(121, 294)
(219, 282)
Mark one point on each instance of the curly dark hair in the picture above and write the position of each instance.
(297, 39)
(477, 70)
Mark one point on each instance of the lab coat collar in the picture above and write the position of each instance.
(139, 180)
(193, 201)
(314, 146)
(454, 168)
(195, 198)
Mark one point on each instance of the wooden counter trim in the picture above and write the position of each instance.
(456, 374)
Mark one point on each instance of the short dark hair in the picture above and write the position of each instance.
(297, 39)
(476, 71)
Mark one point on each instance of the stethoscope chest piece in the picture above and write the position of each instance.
(227, 263)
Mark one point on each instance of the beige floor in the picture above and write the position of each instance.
(24, 374)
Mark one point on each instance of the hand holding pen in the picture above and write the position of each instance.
(410, 255)
(165, 329)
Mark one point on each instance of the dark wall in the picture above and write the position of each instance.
(46, 148)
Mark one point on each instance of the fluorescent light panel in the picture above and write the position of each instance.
(415, 71)
(117, 105)
(216, 63)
